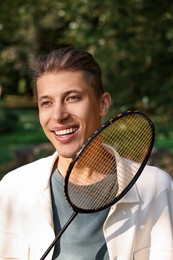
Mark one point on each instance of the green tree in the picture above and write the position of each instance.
(132, 40)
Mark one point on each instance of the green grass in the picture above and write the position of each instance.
(164, 143)
(18, 139)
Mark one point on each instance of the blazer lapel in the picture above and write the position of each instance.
(120, 225)
(44, 215)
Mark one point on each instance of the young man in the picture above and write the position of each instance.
(71, 102)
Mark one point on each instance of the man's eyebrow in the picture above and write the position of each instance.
(43, 97)
(65, 93)
(74, 89)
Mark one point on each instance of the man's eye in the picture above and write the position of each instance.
(45, 103)
(73, 98)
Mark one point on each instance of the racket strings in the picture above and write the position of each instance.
(137, 154)
(137, 134)
(94, 196)
(93, 160)
(109, 163)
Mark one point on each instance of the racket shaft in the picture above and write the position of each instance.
(59, 235)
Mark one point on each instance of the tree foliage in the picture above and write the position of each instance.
(132, 41)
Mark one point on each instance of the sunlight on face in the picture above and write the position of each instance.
(69, 111)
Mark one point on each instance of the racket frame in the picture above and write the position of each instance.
(88, 141)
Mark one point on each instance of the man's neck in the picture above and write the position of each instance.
(63, 164)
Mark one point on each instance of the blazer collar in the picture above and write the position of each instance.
(44, 201)
(131, 196)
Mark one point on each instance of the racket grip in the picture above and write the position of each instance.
(74, 214)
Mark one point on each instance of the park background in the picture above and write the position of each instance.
(132, 40)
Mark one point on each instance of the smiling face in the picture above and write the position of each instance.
(69, 110)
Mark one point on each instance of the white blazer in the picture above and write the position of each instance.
(138, 227)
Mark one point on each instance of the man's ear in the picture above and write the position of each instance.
(105, 103)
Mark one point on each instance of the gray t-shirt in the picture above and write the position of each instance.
(83, 239)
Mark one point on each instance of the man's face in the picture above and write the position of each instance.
(69, 111)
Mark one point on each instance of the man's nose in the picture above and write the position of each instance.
(60, 112)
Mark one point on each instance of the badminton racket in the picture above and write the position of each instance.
(107, 165)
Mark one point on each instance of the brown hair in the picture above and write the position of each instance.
(70, 59)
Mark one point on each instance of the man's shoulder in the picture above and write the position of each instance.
(157, 174)
(154, 180)
(34, 170)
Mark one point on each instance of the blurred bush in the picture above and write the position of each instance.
(8, 121)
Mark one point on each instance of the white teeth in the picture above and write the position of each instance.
(66, 131)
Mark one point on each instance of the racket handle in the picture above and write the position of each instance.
(59, 235)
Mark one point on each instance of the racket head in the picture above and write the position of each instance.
(109, 162)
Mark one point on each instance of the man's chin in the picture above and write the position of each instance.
(68, 156)
(68, 152)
